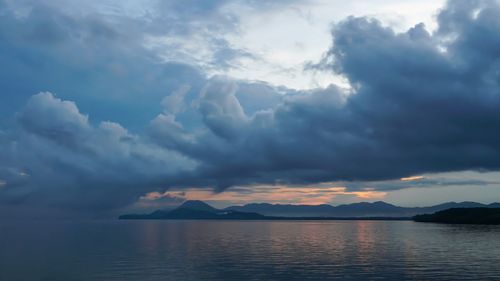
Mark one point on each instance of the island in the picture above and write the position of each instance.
(462, 216)
(199, 210)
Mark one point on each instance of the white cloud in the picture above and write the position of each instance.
(72, 162)
(284, 40)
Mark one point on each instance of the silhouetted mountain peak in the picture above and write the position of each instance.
(376, 203)
(382, 203)
(197, 205)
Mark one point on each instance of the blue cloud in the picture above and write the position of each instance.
(420, 102)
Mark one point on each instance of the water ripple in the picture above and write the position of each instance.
(244, 250)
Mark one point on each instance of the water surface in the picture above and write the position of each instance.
(247, 250)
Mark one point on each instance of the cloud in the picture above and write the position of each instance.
(76, 165)
(111, 54)
(54, 119)
(155, 200)
(414, 178)
(420, 103)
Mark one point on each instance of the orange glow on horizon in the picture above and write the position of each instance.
(269, 194)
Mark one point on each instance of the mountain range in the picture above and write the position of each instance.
(363, 209)
(194, 209)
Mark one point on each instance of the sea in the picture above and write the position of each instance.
(193, 250)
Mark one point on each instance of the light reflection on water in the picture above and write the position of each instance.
(247, 250)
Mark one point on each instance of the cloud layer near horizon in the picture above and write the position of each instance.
(419, 103)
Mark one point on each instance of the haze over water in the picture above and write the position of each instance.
(247, 250)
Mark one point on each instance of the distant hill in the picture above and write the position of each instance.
(494, 205)
(363, 209)
(197, 205)
(463, 216)
(195, 209)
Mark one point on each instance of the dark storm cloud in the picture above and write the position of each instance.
(51, 153)
(58, 158)
(426, 103)
(420, 103)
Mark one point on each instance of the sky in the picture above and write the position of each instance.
(107, 106)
